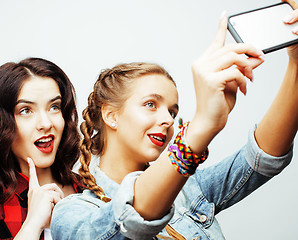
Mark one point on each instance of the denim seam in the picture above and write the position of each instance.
(123, 215)
(201, 226)
(110, 234)
(238, 186)
(187, 216)
(210, 214)
(257, 161)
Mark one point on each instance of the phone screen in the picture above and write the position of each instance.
(264, 27)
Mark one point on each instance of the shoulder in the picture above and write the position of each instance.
(86, 199)
(80, 213)
(83, 205)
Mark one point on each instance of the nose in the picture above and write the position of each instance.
(166, 118)
(44, 122)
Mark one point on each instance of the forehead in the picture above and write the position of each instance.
(155, 84)
(36, 87)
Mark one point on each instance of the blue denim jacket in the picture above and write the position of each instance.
(206, 193)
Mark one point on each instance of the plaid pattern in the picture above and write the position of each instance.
(14, 211)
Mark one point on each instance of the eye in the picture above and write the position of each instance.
(25, 111)
(55, 107)
(150, 105)
(173, 114)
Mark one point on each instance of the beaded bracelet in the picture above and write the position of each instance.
(181, 156)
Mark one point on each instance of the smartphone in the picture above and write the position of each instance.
(264, 27)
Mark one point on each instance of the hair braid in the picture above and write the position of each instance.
(86, 149)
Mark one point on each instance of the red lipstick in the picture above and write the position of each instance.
(157, 139)
(45, 144)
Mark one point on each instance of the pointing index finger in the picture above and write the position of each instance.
(222, 30)
(33, 180)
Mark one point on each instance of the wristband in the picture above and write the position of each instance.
(181, 156)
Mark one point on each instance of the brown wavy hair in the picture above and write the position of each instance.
(12, 77)
(112, 87)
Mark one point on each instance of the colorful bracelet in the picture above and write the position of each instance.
(181, 156)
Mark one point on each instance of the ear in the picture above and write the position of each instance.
(109, 115)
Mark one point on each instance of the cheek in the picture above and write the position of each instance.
(16, 142)
(139, 114)
(170, 134)
(60, 124)
(137, 117)
(20, 144)
(22, 135)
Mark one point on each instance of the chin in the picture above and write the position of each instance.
(153, 157)
(43, 165)
(44, 162)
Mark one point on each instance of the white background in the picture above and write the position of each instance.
(83, 37)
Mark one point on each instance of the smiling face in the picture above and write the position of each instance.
(39, 122)
(145, 122)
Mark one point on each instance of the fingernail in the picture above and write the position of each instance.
(263, 57)
(260, 52)
(295, 30)
(288, 18)
(223, 14)
(244, 91)
(29, 159)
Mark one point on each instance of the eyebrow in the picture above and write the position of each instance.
(158, 97)
(30, 102)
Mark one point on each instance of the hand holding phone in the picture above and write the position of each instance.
(264, 27)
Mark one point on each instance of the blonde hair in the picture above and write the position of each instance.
(112, 87)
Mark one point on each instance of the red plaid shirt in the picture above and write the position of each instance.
(14, 211)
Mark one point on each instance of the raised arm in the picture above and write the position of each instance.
(216, 81)
(276, 131)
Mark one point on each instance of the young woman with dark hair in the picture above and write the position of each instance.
(38, 121)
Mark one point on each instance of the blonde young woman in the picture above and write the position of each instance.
(129, 122)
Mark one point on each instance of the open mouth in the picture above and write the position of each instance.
(45, 144)
(157, 139)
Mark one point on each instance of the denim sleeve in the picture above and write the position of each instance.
(132, 224)
(83, 216)
(234, 178)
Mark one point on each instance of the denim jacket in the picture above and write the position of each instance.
(206, 193)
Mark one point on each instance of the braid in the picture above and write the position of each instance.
(85, 147)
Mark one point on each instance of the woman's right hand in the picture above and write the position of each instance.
(41, 200)
(217, 75)
(291, 19)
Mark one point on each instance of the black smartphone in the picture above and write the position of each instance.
(264, 27)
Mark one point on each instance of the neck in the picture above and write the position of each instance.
(117, 167)
(116, 162)
(45, 176)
